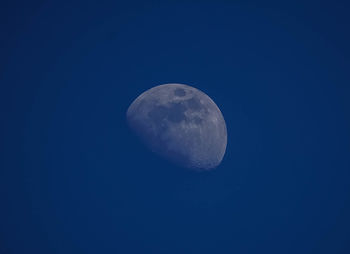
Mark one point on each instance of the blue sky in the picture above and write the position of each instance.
(73, 178)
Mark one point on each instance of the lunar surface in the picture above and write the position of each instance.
(181, 124)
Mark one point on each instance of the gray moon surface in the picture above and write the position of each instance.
(181, 124)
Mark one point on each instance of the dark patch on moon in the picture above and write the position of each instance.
(179, 92)
(194, 104)
(175, 112)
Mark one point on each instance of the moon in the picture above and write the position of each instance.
(181, 124)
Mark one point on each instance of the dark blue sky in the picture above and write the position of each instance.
(73, 179)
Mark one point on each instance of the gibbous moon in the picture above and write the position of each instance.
(181, 124)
